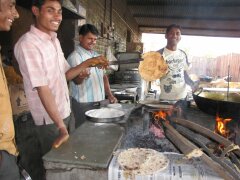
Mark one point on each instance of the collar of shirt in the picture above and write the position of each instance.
(166, 49)
(81, 49)
(42, 34)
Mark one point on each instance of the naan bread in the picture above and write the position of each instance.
(153, 66)
(141, 161)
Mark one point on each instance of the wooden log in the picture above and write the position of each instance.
(186, 146)
(206, 132)
(219, 160)
(235, 160)
(208, 144)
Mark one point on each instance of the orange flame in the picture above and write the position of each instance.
(221, 126)
(160, 115)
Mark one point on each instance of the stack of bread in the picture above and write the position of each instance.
(142, 161)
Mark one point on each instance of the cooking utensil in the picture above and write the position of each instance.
(217, 103)
(228, 81)
(131, 90)
(105, 115)
(156, 104)
(230, 90)
(128, 61)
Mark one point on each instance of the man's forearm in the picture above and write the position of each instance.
(111, 98)
(75, 71)
(106, 85)
(100, 61)
(50, 105)
(188, 80)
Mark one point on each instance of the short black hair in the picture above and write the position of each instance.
(173, 26)
(86, 28)
(39, 3)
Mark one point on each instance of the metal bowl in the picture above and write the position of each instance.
(215, 103)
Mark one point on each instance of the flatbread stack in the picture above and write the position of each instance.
(142, 161)
(153, 66)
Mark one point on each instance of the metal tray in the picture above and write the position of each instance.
(157, 104)
(89, 116)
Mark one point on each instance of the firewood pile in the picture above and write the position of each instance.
(193, 140)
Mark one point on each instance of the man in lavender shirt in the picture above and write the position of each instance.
(45, 73)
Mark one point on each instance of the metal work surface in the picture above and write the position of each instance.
(91, 145)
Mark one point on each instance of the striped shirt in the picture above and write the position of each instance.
(42, 63)
(92, 88)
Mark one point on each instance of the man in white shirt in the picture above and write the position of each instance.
(174, 84)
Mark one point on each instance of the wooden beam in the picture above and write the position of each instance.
(186, 17)
(216, 3)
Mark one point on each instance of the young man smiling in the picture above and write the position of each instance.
(45, 71)
(174, 84)
(91, 85)
(8, 151)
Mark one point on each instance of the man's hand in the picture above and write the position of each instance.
(195, 86)
(85, 73)
(63, 137)
(112, 99)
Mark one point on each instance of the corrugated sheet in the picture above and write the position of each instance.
(197, 16)
(218, 66)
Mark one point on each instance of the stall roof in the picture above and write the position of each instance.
(69, 10)
(197, 17)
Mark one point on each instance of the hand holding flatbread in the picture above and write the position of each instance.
(99, 61)
(153, 66)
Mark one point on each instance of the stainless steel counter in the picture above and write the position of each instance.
(94, 142)
(87, 153)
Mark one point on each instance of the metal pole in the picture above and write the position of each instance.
(228, 79)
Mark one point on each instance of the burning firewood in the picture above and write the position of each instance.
(221, 128)
(188, 147)
(208, 133)
(234, 171)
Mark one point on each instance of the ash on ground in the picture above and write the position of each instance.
(134, 137)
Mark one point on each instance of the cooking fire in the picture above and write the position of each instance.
(193, 139)
(221, 126)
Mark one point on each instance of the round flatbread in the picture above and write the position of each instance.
(153, 66)
(142, 161)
